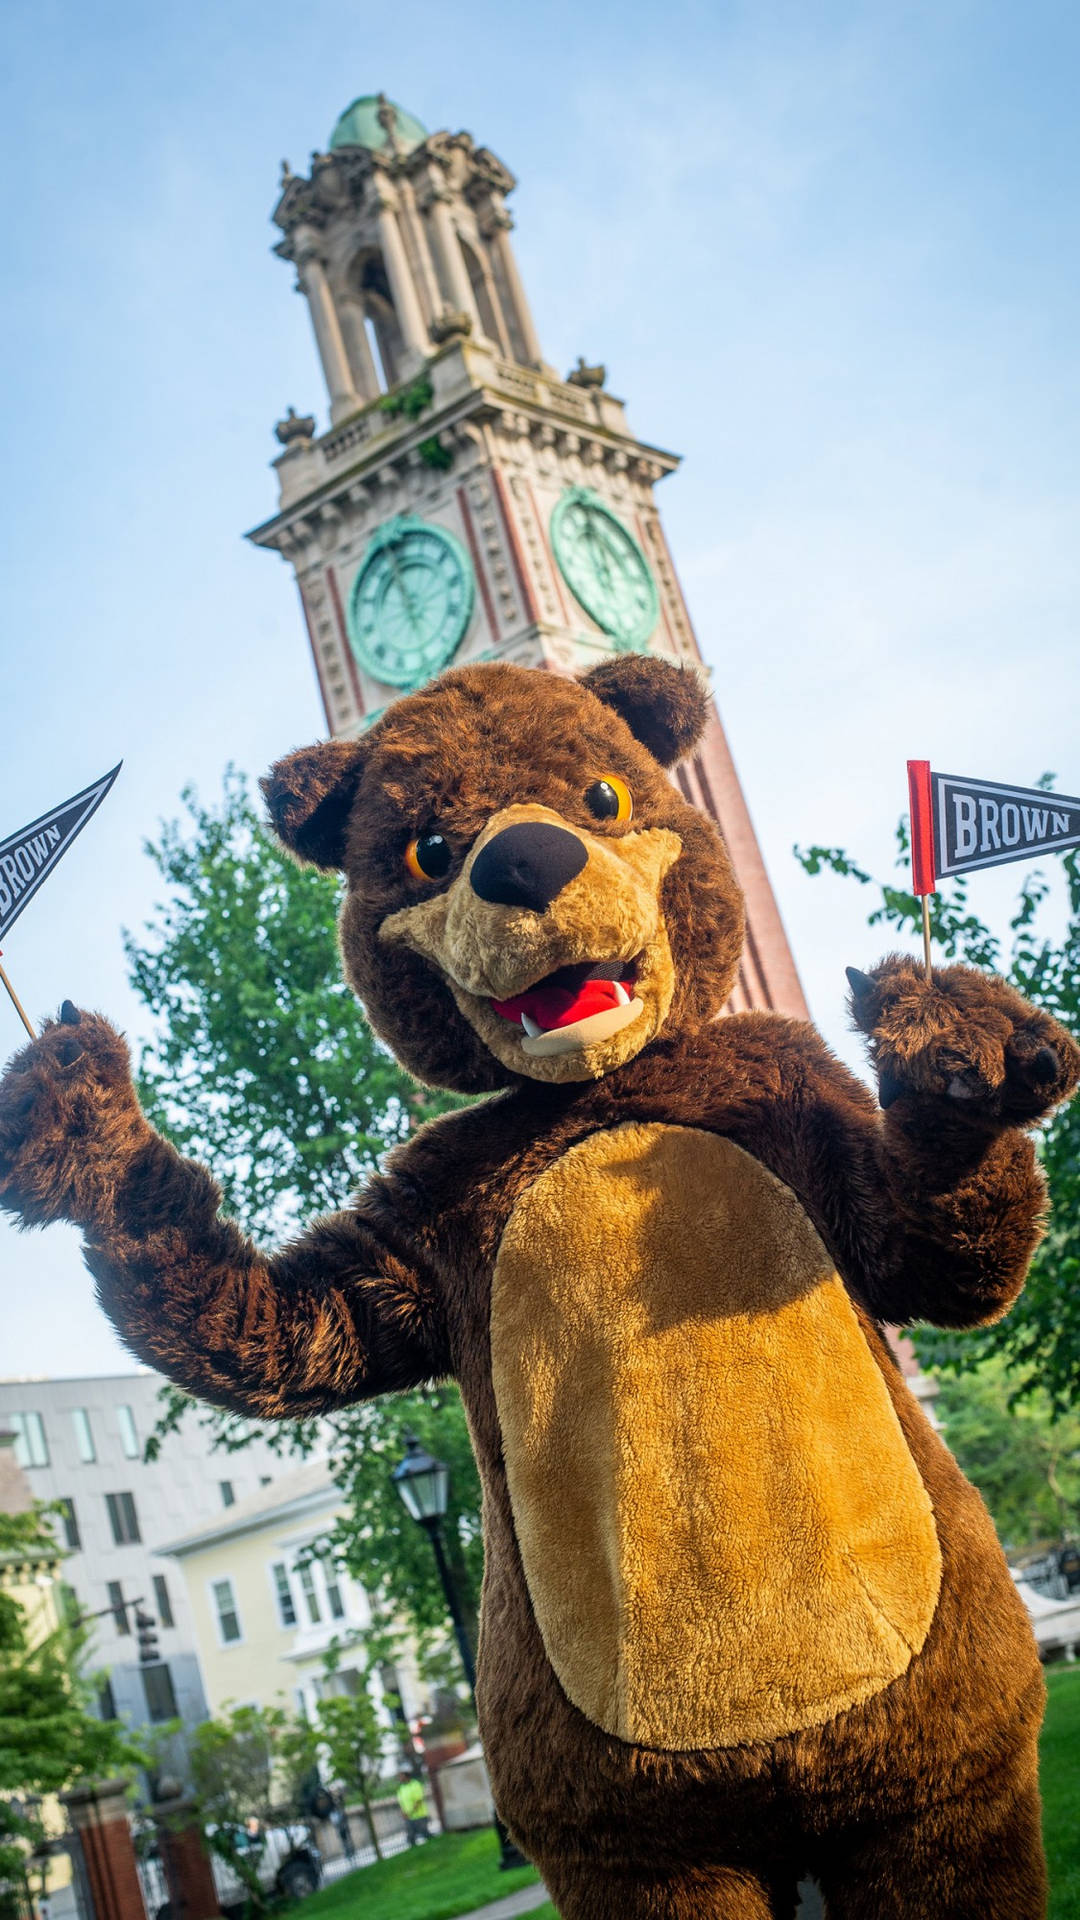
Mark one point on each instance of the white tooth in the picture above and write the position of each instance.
(621, 994)
(530, 1026)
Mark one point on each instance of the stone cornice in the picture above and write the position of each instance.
(476, 395)
(342, 179)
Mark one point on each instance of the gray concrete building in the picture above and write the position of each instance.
(82, 1443)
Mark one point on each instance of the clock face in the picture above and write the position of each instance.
(410, 602)
(605, 569)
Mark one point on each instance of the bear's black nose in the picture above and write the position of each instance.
(527, 865)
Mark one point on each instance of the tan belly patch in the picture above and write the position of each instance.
(724, 1534)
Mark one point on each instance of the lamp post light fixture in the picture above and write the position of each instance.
(424, 1485)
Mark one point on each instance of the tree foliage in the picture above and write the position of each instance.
(238, 1768)
(1039, 1340)
(262, 1065)
(49, 1735)
(1024, 1461)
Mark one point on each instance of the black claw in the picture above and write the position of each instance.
(69, 1014)
(860, 983)
(1045, 1067)
(890, 1087)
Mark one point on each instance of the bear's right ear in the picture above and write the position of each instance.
(309, 796)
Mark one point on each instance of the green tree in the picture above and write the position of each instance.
(349, 1729)
(1024, 1460)
(49, 1736)
(262, 1065)
(234, 1765)
(1039, 1339)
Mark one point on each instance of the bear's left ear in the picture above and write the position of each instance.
(664, 706)
(309, 797)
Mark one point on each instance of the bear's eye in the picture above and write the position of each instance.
(428, 857)
(610, 799)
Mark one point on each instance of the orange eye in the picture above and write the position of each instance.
(610, 799)
(428, 857)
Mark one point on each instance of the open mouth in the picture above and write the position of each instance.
(574, 1006)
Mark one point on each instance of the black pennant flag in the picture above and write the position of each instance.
(29, 856)
(980, 823)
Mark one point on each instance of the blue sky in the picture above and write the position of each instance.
(828, 253)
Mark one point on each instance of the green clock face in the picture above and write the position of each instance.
(410, 602)
(605, 569)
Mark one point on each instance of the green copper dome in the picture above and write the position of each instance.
(360, 125)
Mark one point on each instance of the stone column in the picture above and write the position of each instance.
(364, 371)
(406, 305)
(344, 398)
(414, 234)
(99, 1816)
(497, 228)
(448, 253)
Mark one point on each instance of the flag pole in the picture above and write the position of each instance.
(926, 933)
(16, 1002)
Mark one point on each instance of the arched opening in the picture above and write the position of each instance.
(379, 345)
(375, 351)
(482, 294)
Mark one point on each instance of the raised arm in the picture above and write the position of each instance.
(343, 1313)
(966, 1068)
(933, 1201)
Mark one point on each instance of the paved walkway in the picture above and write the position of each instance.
(514, 1903)
(530, 1897)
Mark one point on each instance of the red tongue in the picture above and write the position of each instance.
(560, 1006)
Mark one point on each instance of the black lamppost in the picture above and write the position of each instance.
(424, 1485)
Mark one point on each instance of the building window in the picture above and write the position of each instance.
(333, 1592)
(31, 1447)
(70, 1610)
(84, 1435)
(228, 1494)
(286, 1605)
(106, 1703)
(129, 1438)
(164, 1604)
(225, 1606)
(311, 1598)
(119, 1608)
(70, 1524)
(160, 1694)
(123, 1519)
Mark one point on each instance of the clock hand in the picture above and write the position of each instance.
(600, 560)
(399, 581)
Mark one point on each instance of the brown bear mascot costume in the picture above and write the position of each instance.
(743, 1618)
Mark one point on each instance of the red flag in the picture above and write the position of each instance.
(923, 876)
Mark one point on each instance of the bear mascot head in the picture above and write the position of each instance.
(518, 859)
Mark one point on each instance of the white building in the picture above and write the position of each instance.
(266, 1612)
(82, 1443)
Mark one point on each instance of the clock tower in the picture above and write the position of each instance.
(466, 503)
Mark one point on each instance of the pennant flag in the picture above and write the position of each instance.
(28, 857)
(958, 825)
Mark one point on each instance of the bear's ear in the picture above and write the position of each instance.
(309, 796)
(664, 706)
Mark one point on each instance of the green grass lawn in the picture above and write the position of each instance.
(1061, 1790)
(449, 1875)
(459, 1871)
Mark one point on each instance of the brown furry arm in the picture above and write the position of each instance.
(965, 1068)
(929, 1213)
(932, 1203)
(342, 1314)
(967, 1208)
